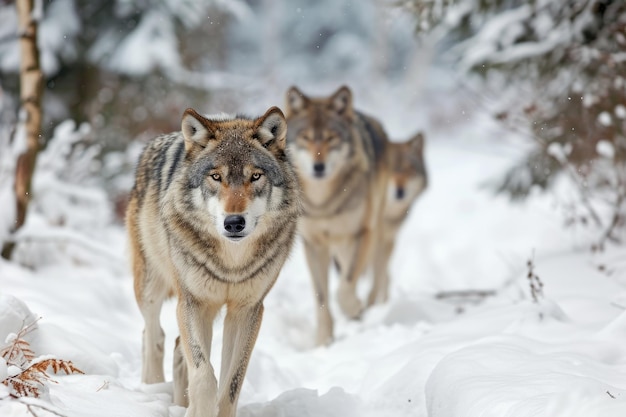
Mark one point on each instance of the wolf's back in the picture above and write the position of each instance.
(375, 139)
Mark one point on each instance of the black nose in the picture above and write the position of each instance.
(234, 224)
(399, 193)
(318, 168)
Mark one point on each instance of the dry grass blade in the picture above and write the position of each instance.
(56, 365)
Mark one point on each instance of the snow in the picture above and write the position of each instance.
(417, 355)
(605, 149)
(605, 118)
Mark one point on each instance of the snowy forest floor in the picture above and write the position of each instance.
(417, 355)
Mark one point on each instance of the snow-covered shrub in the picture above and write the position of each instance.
(556, 73)
(70, 212)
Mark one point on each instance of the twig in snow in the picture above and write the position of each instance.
(536, 286)
(465, 294)
(462, 297)
(104, 385)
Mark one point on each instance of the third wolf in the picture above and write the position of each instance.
(407, 180)
(339, 154)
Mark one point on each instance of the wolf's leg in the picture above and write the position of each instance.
(195, 322)
(241, 328)
(150, 296)
(181, 376)
(380, 286)
(318, 260)
(352, 255)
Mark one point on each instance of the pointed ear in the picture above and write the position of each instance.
(197, 130)
(416, 143)
(271, 129)
(341, 101)
(296, 101)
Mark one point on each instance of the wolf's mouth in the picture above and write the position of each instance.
(234, 237)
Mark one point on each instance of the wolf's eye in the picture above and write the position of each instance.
(216, 177)
(255, 176)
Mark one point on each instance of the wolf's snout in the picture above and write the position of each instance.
(399, 193)
(319, 168)
(234, 224)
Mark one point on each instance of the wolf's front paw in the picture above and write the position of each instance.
(350, 304)
(324, 337)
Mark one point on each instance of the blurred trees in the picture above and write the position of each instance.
(120, 65)
(128, 68)
(559, 70)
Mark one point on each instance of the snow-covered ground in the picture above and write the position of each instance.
(418, 355)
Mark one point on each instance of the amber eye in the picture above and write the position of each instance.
(255, 176)
(216, 177)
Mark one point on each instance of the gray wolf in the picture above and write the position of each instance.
(211, 219)
(339, 154)
(407, 180)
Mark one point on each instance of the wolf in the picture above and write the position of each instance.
(407, 179)
(339, 154)
(211, 219)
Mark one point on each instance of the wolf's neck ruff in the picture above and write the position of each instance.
(346, 192)
(225, 261)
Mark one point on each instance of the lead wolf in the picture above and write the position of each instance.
(407, 180)
(340, 156)
(211, 218)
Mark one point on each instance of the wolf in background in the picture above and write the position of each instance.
(407, 180)
(340, 157)
(211, 219)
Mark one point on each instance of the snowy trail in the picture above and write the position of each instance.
(414, 356)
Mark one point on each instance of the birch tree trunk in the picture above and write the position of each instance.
(31, 83)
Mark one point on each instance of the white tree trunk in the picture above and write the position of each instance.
(31, 83)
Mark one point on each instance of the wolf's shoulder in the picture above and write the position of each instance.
(163, 141)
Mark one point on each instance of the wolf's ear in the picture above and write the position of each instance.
(416, 143)
(197, 130)
(271, 129)
(296, 101)
(341, 101)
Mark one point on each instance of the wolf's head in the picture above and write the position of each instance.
(236, 170)
(407, 172)
(320, 131)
